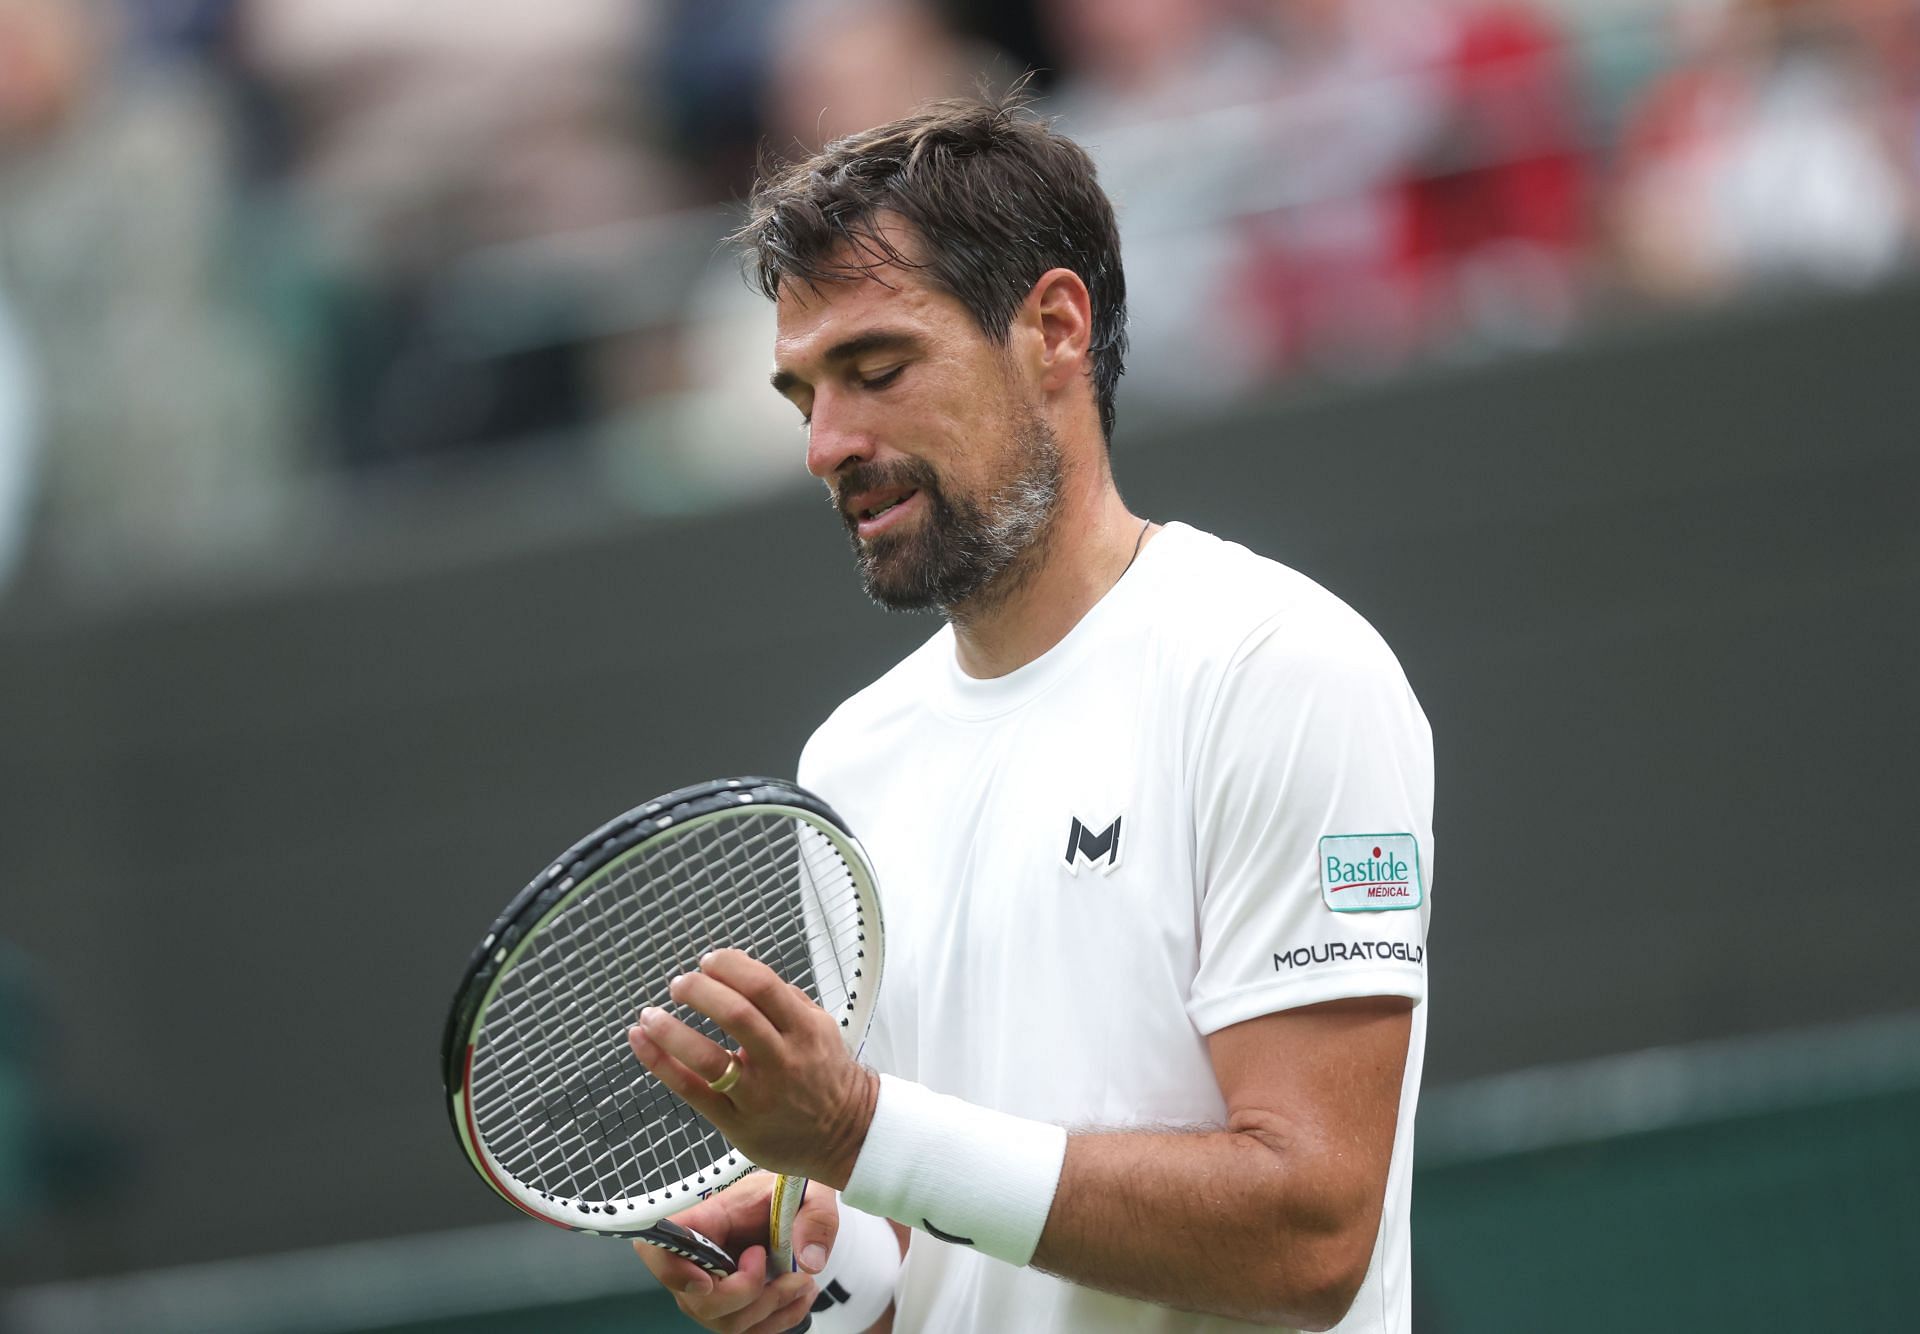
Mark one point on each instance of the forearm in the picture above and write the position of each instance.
(1246, 1222)
(1271, 1219)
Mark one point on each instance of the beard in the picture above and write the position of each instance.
(964, 555)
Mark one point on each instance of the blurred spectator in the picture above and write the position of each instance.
(159, 406)
(192, 28)
(1437, 153)
(710, 67)
(837, 66)
(418, 135)
(1499, 214)
(473, 223)
(1328, 184)
(1172, 101)
(1362, 93)
(1766, 156)
(841, 66)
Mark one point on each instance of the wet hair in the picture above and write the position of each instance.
(993, 196)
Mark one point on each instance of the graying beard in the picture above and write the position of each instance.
(983, 553)
(1013, 543)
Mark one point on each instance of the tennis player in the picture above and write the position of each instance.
(1151, 815)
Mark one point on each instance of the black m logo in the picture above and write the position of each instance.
(1083, 842)
(833, 1295)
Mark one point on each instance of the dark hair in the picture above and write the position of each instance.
(994, 196)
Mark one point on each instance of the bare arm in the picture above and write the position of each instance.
(1272, 1219)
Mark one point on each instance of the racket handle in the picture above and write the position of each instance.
(688, 1245)
(788, 1192)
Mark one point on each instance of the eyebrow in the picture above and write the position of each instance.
(852, 349)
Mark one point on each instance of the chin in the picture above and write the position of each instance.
(894, 588)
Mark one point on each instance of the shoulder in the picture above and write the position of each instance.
(1230, 611)
(883, 706)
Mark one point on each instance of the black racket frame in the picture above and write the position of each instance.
(613, 839)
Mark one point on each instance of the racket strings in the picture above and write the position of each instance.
(795, 955)
(558, 1098)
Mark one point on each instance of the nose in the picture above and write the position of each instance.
(836, 436)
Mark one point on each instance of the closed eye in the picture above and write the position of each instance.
(870, 382)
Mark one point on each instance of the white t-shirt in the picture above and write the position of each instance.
(1211, 801)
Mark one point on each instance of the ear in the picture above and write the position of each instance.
(1058, 316)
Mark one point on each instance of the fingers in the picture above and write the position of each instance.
(779, 1308)
(685, 1084)
(733, 1302)
(683, 1278)
(747, 999)
(701, 1055)
(747, 1301)
(739, 1012)
(816, 1227)
(783, 1005)
(734, 1219)
(789, 1316)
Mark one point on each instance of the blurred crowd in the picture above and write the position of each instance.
(252, 249)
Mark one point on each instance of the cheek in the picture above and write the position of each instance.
(964, 422)
(940, 427)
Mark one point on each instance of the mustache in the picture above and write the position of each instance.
(914, 474)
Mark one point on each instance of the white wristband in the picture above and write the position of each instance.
(965, 1174)
(856, 1286)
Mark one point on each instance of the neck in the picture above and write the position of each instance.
(1093, 539)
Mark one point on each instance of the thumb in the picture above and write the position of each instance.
(815, 1227)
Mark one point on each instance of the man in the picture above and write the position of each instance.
(1165, 1079)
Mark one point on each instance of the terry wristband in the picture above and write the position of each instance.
(856, 1286)
(961, 1173)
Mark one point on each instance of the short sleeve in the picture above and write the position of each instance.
(1313, 809)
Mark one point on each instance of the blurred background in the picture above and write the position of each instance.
(389, 490)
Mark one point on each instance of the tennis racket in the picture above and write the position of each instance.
(549, 1104)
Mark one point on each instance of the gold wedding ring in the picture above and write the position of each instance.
(728, 1077)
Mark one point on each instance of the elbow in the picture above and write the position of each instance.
(1312, 1277)
(1316, 1296)
(1326, 1304)
(1320, 1226)
(1317, 1286)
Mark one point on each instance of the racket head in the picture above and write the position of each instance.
(548, 1103)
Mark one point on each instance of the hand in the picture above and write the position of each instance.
(801, 1105)
(748, 1300)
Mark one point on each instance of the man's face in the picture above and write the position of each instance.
(928, 437)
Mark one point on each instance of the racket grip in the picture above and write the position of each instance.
(788, 1192)
(689, 1245)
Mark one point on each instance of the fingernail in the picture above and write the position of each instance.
(698, 1285)
(649, 1017)
(814, 1258)
(678, 978)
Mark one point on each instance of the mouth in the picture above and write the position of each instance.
(873, 512)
